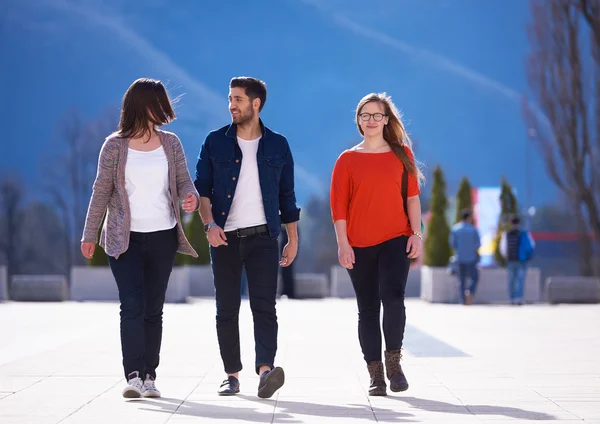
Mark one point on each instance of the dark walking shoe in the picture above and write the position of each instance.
(229, 387)
(398, 382)
(270, 382)
(377, 386)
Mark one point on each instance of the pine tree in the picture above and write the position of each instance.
(463, 198)
(100, 257)
(194, 231)
(508, 207)
(437, 245)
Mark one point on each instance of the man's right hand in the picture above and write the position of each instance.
(216, 236)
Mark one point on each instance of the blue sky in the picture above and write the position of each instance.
(456, 69)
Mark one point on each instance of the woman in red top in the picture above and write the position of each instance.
(376, 239)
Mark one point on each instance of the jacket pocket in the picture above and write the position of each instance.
(222, 172)
(275, 168)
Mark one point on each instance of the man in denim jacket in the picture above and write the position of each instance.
(245, 178)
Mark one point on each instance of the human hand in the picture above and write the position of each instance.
(87, 249)
(346, 255)
(190, 203)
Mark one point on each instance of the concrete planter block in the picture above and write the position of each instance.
(178, 289)
(93, 283)
(97, 284)
(341, 286)
(311, 286)
(438, 286)
(3, 283)
(201, 281)
(39, 288)
(493, 286)
(573, 289)
(413, 283)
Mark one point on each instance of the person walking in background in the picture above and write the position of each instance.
(464, 239)
(245, 177)
(376, 237)
(142, 175)
(517, 247)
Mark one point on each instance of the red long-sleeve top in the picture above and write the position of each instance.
(366, 192)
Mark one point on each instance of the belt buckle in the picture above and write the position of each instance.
(239, 234)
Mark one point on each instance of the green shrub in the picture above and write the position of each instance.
(437, 244)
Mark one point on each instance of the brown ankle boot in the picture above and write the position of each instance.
(398, 382)
(378, 386)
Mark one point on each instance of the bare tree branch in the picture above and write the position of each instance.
(561, 77)
(69, 184)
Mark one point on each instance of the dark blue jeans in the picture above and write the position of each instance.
(259, 255)
(142, 274)
(468, 271)
(379, 277)
(517, 271)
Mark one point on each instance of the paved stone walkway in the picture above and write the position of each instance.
(60, 363)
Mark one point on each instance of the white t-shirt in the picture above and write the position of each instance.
(247, 209)
(147, 185)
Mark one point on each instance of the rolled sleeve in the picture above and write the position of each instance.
(287, 196)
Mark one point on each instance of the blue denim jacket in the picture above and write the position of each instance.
(464, 239)
(218, 169)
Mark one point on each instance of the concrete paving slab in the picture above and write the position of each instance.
(478, 364)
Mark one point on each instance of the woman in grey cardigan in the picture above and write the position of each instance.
(142, 175)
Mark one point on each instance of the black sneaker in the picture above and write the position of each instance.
(229, 387)
(270, 382)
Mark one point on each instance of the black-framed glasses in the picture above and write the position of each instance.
(377, 117)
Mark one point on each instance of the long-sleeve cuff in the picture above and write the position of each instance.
(290, 216)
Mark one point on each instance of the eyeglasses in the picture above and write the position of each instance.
(377, 117)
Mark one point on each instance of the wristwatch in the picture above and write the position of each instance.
(418, 234)
(207, 226)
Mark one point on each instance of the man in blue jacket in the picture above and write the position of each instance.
(516, 246)
(245, 178)
(465, 241)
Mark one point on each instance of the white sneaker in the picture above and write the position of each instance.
(135, 386)
(150, 389)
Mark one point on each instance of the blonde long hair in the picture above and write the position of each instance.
(393, 133)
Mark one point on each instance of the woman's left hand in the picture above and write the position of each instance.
(414, 246)
(190, 203)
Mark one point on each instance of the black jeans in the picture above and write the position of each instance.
(259, 255)
(142, 274)
(379, 276)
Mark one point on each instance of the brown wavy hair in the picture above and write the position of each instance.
(146, 100)
(393, 133)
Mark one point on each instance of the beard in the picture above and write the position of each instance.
(243, 117)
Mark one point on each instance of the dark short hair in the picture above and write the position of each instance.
(254, 88)
(465, 213)
(145, 100)
(515, 220)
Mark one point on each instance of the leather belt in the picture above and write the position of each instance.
(250, 231)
